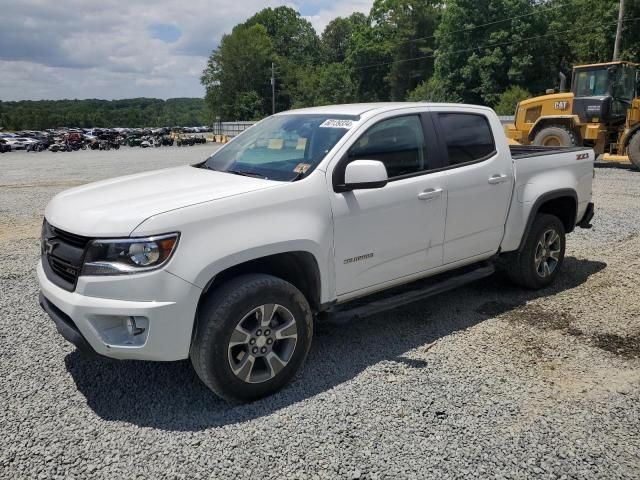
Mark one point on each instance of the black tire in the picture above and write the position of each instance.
(555, 136)
(634, 150)
(522, 267)
(227, 307)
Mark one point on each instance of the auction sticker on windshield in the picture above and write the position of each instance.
(302, 168)
(336, 123)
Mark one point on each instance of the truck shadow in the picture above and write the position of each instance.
(169, 396)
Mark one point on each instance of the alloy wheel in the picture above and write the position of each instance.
(547, 254)
(262, 343)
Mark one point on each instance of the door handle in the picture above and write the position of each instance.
(495, 179)
(430, 194)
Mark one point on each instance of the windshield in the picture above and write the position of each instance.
(282, 147)
(592, 83)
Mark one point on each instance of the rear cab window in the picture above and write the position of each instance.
(467, 137)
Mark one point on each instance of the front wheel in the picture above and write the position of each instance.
(252, 337)
(538, 263)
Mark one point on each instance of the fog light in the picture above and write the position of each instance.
(132, 328)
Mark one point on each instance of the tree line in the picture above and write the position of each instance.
(134, 112)
(488, 52)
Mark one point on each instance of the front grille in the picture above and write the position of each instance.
(71, 238)
(63, 269)
(62, 255)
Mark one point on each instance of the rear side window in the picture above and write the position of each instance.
(397, 142)
(468, 137)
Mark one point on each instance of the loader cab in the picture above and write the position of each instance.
(604, 92)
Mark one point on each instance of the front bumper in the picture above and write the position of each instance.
(96, 324)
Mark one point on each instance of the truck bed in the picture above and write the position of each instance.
(545, 173)
(525, 151)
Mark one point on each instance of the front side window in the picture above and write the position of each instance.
(592, 83)
(397, 142)
(282, 147)
(625, 83)
(468, 137)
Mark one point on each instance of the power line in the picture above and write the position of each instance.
(424, 57)
(495, 22)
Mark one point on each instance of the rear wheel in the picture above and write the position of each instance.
(252, 337)
(555, 136)
(634, 150)
(538, 263)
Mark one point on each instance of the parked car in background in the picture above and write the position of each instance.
(20, 143)
(4, 146)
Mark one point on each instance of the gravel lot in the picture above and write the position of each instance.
(486, 381)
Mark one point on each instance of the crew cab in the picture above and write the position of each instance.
(336, 211)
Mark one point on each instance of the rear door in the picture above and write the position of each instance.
(479, 182)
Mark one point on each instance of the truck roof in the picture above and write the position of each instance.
(368, 108)
(592, 65)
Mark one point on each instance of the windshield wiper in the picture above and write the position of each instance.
(246, 174)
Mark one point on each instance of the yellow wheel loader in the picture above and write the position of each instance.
(601, 111)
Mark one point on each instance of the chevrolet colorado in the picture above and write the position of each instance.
(336, 211)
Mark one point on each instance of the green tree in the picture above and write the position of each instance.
(590, 28)
(293, 37)
(132, 112)
(238, 68)
(433, 90)
(295, 45)
(479, 55)
(337, 36)
(509, 100)
(325, 85)
(369, 57)
(248, 106)
(409, 27)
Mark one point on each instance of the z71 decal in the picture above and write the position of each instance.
(582, 156)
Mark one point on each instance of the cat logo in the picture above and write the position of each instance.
(561, 105)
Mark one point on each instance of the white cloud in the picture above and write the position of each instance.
(105, 48)
(338, 9)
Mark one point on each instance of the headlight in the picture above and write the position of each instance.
(128, 255)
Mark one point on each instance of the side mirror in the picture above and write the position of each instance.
(364, 174)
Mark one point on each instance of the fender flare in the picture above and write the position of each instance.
(545, 197)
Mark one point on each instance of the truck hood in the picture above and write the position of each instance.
(115, 207)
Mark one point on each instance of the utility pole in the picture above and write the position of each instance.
(616, 48)
(273, 89)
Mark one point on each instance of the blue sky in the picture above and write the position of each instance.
(165, 31)
(114, 49)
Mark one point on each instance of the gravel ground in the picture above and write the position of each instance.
(486, 381)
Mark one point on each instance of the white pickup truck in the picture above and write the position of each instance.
(337, 211)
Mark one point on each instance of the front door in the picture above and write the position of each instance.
(388, 233)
